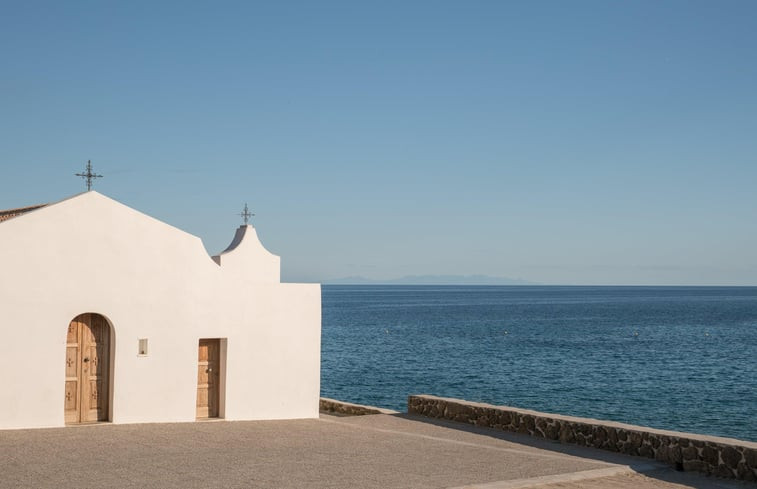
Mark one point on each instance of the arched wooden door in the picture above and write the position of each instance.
(87, 369)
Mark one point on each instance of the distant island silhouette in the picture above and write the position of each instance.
(431, 280)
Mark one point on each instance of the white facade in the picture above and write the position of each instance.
(91, 254)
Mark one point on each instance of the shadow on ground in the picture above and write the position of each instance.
(648, 467)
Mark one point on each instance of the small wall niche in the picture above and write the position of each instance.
(142, 350)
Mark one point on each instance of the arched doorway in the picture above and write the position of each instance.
(87, 369)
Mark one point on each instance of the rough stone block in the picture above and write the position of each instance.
(750, 456)
(723, 471)
(663, 454)
(566, 434)
(612, 436)
(690, 453)
(710, 455)
(647, 451)
(629, 449)
(530, 422)
(731, 457)
(552, 431)
(676, 455)
(517, 421)
(600, 434)
(656, 441)
(635, 438)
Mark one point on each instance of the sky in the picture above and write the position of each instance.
(584, 142)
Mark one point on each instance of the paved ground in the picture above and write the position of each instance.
(378, 451)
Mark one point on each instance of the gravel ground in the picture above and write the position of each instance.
(377, 451)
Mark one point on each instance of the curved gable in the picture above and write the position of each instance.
(247, 255)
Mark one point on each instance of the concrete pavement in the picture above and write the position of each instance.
(376, 451)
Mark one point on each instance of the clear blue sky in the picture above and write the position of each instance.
(582, 142)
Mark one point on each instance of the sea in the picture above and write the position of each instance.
(675, 358)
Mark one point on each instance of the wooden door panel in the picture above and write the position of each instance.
(202, 373)
(71, 411)
(73, 332)
(203, 410)
(98, 371)
(94, 400)
(202, 352)
(72, 360)
(71, 406)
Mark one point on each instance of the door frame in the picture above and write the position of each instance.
(109, 375)
(222, 349)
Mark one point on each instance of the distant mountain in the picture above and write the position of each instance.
(431, 280)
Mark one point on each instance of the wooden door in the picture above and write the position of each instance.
(208, 364)
(87, 369)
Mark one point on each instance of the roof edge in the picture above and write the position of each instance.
(6, 214)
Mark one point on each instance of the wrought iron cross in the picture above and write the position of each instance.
(246, 214)
(89, 176)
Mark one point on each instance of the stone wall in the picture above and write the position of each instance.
(722, 457)
(332, 406)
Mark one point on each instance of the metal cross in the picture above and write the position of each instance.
(246, 214)
(89, 176)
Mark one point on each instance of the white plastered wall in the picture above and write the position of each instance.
(150, 280)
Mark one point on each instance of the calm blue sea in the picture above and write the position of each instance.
(679, 358)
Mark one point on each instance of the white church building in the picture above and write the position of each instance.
(108, 314)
